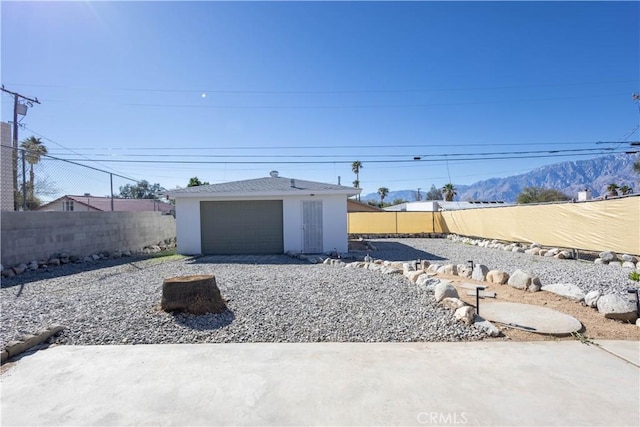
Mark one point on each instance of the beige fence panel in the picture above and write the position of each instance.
(392, 222)
(596, 225)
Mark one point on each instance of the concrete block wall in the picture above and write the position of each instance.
(28, 236)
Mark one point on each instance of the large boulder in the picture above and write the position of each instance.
(615, 307)
(566, 290)
(524, 280)
(497, 276)
(479, 272)
(193, 294)
(445, 290)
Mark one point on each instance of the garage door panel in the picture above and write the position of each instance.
(242, 227)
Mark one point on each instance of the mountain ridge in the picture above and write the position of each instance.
(570, 177)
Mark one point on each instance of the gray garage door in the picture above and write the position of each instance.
(247, 227)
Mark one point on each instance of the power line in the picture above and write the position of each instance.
(319, 91)
(342, 146)
(330, 161)
(74, 152)
(364, 156)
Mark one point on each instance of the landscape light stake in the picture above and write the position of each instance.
(635, 291)
(478, 289)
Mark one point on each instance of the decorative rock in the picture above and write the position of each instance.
(497, 276)
(433, 267)
(542, 252)
(465, 314)
(628, 258)
(8, 273)
(616, 307)
(628, 264)
(524, 280)
(464, 271)
(565, 255)
(414, 275)
(535, 246)
(638, 322)
(479, 272)
(485, 326)
(445, 290)
(598, 261)
(95, 257)
(33, 265)
(452, 303)
(193, 294)
(591, 298)
(424, 264)
(566, 290)
(390, 270)
(616, 263)
(534, 251)
(19, 269)
(426, 283)
(449, 269)
(407, 267)
(608, 256)
(54, 261)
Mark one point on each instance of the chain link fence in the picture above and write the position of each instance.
(40, 182)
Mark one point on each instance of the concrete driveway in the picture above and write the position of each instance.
(469, 383)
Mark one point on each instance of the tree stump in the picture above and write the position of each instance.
(193, 294)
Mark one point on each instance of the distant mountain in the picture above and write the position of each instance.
(568, 177)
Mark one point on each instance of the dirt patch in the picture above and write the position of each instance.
(595, 325)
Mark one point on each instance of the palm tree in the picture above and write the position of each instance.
(625, 189)
(449, 192)
(382, 192)
(34, 149)
(355, 167)
(613, 189)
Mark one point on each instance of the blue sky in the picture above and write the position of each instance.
(333, 82)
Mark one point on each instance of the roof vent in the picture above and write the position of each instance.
(273, 174)
(87, 194)
(293, 183)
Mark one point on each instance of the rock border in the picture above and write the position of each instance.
(60, 258)
(13, 348)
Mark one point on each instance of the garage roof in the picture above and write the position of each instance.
(264, 186)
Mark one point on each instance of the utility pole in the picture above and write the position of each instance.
(16, 103)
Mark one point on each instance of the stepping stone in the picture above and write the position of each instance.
(483, 294)
(471, 286)
(531, 318)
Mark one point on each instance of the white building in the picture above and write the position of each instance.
(442, 205)
(262, 216)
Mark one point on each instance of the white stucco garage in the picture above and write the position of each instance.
(262, 216)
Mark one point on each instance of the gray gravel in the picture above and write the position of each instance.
(270, 299)
(586, 275)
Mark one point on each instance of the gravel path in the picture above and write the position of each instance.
(587, 275)
(270, 299)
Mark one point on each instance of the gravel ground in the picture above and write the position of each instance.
(270, 299)
(608, 279)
